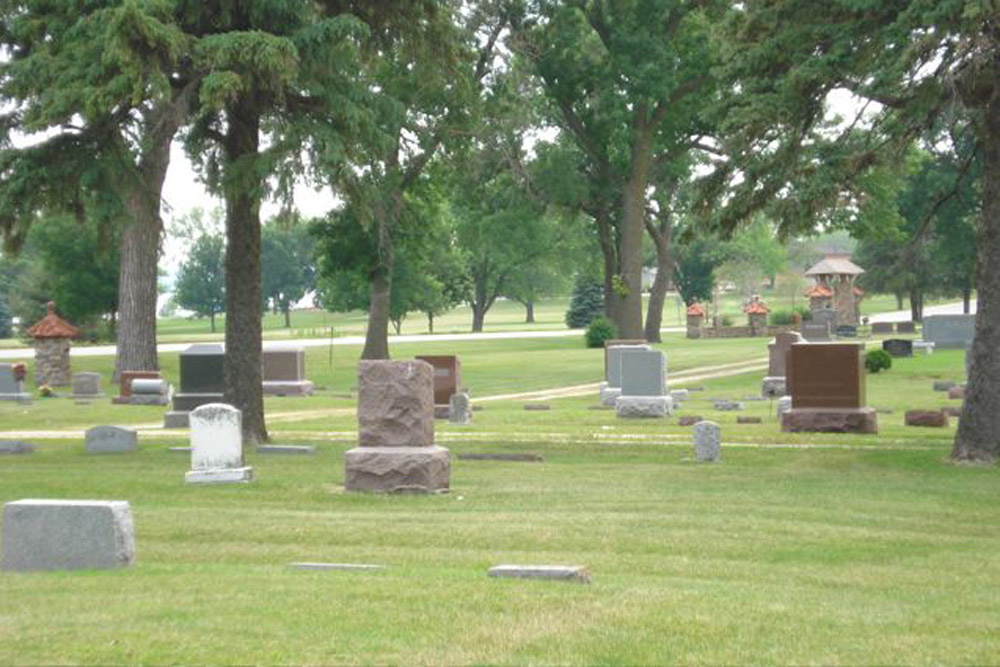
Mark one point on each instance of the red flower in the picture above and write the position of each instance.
(20, 371)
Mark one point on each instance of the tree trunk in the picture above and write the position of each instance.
(916, 305)
(966, 300)
(212, 319)
(430, 323)
(242, 365)
(288, 318)
(480, 303)
(609, 251)
(658, 291)
(899, 300)
(478, 318)
(140, 249)
(529, 312)
(632, 229)
(377, 336)
(976, 438)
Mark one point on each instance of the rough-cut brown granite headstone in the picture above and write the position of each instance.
(827, 384)
(934, 418)
(395, 404)
(689, 420)
(287, 364)
(956, 393)
(447, 377)
(618, 342)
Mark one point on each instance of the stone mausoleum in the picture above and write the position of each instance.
(52, 336)
(835, 289)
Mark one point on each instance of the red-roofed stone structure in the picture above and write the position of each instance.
(52, 336)
(834, 289)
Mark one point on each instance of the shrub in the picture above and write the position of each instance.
(727, 320)
(877, 361)
(600, 330)
(6, 319)
(586, 304)
(787, 317)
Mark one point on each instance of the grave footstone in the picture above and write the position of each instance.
(956, 393)
(283, 372)
(501, 456)
(110, 440)
(827, 385)
(784, 405)
(575, 573)
(949, 332)
(643, 375)
(943, 385)
(87, 385)
(217, 446)
(15, 447)
(707, 442)
(11, 385)
(286, 449)
(460, 408)
(932, 418)
(689, 420)
(396, 450)
(728, 406)
(67, 535)
(898, 347)
(748, 420)
(774, 383)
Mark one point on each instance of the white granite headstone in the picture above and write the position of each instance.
(217, 445)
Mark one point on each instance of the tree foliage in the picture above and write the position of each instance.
(201, 280)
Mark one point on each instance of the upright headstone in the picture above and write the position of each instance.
(396, 450)
(777, 349)
(898, 347)
(784, 405)
(460, 409)
(707, 442)
(447, 376)
(217, 445)
(881, 328)
(611, 388)
(816, 331)
(643, 384)
(86, 385)
(618, 342)
(110, 440)
(11, 385)
(906, 328)
(827, 385)
(950, 332)
(284, 372)
(847, 331)
(202, 381)
(67, 535)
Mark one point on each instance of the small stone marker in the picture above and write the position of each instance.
(943, 385)
(67, 535)
(148, 391)
(15, 447)
(881, 328)
(847, 331)
(956, 393)
(286, 449)
(110, 440)
(928, 348)
(906, 327)
(217, 445)
(784, 405)
(531, 458)
(349, 567)
(86, 385)
(689, 420)
(180, 450)
(576, 573)
(678, 396)
(952, 411)
(932, 418)
(707, 442)
(728, 406)
(537, 406)
(898, 347)
(748, 420)
(460, 408)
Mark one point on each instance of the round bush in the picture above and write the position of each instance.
(599, 330)
(877, 361)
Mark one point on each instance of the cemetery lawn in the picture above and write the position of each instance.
(794, 549)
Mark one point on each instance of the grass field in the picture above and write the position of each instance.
(795, 549)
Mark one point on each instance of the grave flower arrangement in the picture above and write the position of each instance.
(45, 391)
(20, 371)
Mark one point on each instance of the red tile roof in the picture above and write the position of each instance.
(696, 309)
(819, 290)
(756, 308)
(53, 326)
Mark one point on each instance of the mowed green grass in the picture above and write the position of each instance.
(795, 549)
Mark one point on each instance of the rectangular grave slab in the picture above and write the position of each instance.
(110, 440)
(346, 567)
(830, 375)
(815, 331)
(67, 535)
(574, 573)
(906, 327)
(201, 369)
(618, 342)
(15, 447)
(950, 332)
(125, 385)
(881, 328)
(286, 449)
(643, 372)
(898, 347)
(86, 384)
(447, 376)
(284, 372)
(529, 458)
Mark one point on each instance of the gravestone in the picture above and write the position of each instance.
(447, 377)
(898, 347)
(611, 388)
(396, 450)
(815, 331)
(284, 372)
(618, 342)
(827, 385)
(707, 442)
(931, 418)
(728, 406)
(217, 446)
(881, 328)
(201, 382)
(147, 391)
(110, 440)
(11, 388)
(906, 328)
(943, 385)
(575, 573)
(847, 331)
(950, 332)
(784, 405)
(460, 408)
(67, 535)
(956, 393)
(643, 384)
(777, 350)
(86, 385)
(749, 420)
(678, 396)
(15, 447)
(927, 348)
(689, 420)
(125, 395)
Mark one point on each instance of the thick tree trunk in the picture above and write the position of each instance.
(658, 291)
(478, 318)
(140, 249)
(480, 304)
(916, 305)
(377, 336)
(899, 301)
(632, 229)
(966, 300)
(242, 365)
(529, 312)
(978, 428)
(288, 318)
(609, 252)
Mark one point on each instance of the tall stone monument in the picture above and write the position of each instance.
(777, 349)
(611, 388)
(827, 385)
(201, 383)
(643, 384)
(52, 336)
(396, 450)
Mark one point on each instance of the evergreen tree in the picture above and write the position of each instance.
(586, 304)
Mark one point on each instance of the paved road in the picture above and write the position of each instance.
(904, 315)
(109, 350)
